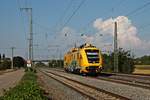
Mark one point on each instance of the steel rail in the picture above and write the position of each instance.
(89, 86)
(126, 82)
(134, 83)
(90, 97)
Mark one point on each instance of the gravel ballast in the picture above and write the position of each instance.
(58, 91)
(134, 93)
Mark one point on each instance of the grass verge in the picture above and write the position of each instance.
(142, 69)
(27, 89)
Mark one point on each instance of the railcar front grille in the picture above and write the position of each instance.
(92, 68)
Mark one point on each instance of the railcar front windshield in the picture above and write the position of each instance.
(92, 56)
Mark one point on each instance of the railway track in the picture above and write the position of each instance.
(142, 81)
(93, 93)
(126, 82)
(139, 76)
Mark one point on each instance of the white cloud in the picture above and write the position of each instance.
(127, 36)
(127, 32)
(103, 25)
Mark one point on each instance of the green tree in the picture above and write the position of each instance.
(3, 56)
(19, 62)
(52, 63)
(40, 64)
(56, 63)
(125, 62)
(0, 59)
(144, 60)
(6, 64)
(107, 64)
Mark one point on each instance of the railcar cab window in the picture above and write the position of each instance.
(92, 56)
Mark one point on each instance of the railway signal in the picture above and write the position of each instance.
(29, 63)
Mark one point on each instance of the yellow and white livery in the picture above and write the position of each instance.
(84, 59)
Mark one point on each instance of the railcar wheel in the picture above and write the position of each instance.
(66, 70)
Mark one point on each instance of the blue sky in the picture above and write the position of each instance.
(49, 15)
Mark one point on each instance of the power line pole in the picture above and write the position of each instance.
(60, 65)
(115, 49)
(12, 52)
(30, 56)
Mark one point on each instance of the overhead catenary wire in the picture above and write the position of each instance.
(42, 26)
(70, 17)
(74, 12)
(105, 26)
(115, 6)
(137, 9)
(25, 4)
(60, 21)
(35, 22)
(132, 12)
(22, 22)
(52, 29)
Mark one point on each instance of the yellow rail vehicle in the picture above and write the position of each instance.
(84, 59)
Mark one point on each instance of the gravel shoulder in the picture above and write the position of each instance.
(6, 71)
(10, 79)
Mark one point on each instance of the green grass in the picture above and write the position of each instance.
(142, 69)
(27, 89)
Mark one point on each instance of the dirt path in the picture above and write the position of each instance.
(10, 79)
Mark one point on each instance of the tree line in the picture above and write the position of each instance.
(52, 63)
(144, 60)
(5, 62)
(125, 61)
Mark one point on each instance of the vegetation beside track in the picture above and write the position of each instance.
(125, 62)
(27, 89)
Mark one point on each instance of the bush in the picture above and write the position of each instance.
(6, 64)
(19, 62)
(30, 69)
(125, 62)
(27, 89)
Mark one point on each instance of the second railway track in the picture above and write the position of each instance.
(127, 82)
(127, 79)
